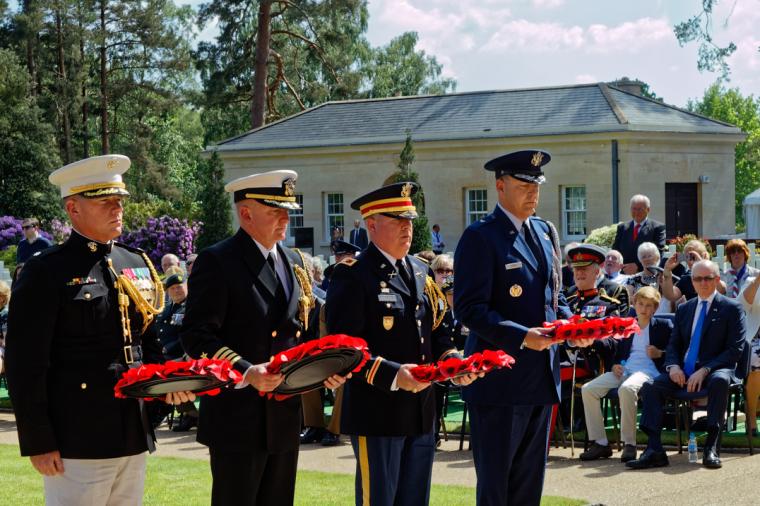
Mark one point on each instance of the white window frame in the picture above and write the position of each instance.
(566, 235)
(327, 214)
(295, 215)
(471, 216)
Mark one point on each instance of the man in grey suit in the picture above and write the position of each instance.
(631, 234)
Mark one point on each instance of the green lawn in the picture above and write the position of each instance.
(174, 481)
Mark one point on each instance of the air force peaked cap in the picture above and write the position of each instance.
(276, 188)
(586, 254)
(523, 165)
(393, 200)
(94, 177)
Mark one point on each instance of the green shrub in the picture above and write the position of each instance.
(603, 236)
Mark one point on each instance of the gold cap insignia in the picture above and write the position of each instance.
(289, 187)
(537, 159)
(406, 190)
(387, 322)
(110, 164)
(515, 290)
(92, 246)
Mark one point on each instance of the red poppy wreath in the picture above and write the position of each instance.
(601, 328)
(454, 367)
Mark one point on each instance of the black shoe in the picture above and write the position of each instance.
(185, 424)
(649, 459)
(710, 459)
(330, 439)
(597, 451)
(629, 453)
(312, 435)
(754, 433)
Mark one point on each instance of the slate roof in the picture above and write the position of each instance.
(579, 109)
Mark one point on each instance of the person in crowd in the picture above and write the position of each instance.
(631, 234)
(168, 260)
(341, 250)
(249, 297)
(750, 301)
(567, 270)
(426, 256)
(5, 296)
(387, 297)
(638, 360)
(336, 234)
(707, 340)
(443, 268)
(358, 236)
(649, 257)
(693, 252)
(88, 317)
(507, 285)
(32, 242)
(613, 267)
(189, 261)
(734, 277)
(437, 240)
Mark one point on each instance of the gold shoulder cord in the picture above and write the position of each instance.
(127, 290)
(306, 301)
(437, 301)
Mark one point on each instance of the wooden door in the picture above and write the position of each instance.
(681, 209)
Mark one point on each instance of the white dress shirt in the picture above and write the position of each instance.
(279, 266)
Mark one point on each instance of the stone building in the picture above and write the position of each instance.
(606, 145)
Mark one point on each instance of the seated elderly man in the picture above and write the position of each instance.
(637, 361)
(707, 341)
(613, 267)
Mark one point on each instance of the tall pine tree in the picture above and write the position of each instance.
(215, 204)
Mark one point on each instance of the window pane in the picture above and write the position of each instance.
(574, 211)
(296, 215)
(476, 204)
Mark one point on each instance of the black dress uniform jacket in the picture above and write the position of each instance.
(232, 310)
(368, 299)
(594, 304)
(65, 341)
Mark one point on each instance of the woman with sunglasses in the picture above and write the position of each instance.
(443, 267)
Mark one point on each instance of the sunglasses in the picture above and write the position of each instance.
(26, 227)
(444, 271)
(701, 279)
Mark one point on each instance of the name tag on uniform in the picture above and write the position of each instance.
(513, 265)
(386, 297)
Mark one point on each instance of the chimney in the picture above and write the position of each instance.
(628, 85)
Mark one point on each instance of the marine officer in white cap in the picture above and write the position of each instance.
(249, 298)
(90, 300)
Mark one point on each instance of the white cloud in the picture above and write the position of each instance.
(586, 78)
(535, 37)
(549, 4)
(628, 36)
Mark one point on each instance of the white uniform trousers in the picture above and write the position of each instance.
(628, 391)
(98, 482)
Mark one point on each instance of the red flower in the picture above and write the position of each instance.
(601, 328)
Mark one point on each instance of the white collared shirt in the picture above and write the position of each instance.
(515, 221)
(279, 266)
(391, 259)
(696, 313)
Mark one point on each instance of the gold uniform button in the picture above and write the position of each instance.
(422, 339)
(274, 333)
(298, 333)
(419, 323)
(83, 386)
(418, 307)
(87, 296)
(423, 358)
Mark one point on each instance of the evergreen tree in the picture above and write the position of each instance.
(215, 204)
(421, 234)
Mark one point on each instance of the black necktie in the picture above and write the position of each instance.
(404, 273)
(532, 244)
(279, 294)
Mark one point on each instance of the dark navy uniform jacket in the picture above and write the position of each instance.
(167, 327)
(232, 312)
(397, 326)
(500, 293)
(64, 338)
(592, 306)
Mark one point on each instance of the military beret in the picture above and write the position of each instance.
(339, 247)
(94, 177)
(523, 165)
(175, 279)
(276, 188)
(393, 200)
(586, 254)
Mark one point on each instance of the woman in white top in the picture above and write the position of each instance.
(750, 299)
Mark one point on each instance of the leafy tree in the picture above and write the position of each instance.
(421, 233)
(28, 151)
(215, 204)
(400, 69)
(698, 28)
(730, 106)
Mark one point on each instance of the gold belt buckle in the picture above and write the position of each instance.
(128, 356)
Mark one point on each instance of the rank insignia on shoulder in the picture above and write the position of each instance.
(387, 322)
(82, 281)
(546, 236)
(348, 261)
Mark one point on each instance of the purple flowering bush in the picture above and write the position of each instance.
(164, 235)
(11, 232)
(61, 230)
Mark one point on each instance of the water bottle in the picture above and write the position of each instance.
(692, 449)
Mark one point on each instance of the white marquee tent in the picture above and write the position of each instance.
(752, 214)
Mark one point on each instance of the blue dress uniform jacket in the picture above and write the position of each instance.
(232, 312)
(500, 293)
(368, 299)
(64, 341)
